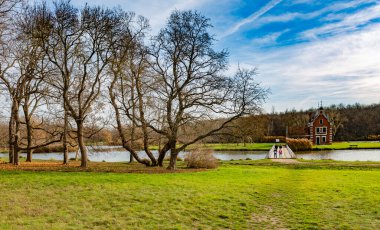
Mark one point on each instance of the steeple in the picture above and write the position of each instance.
(320, 106)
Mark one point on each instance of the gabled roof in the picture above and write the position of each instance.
(320, 111)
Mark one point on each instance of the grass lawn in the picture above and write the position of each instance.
(239, 146)
(346, 145)
(239, 195)
(267, 146)
(232, 146)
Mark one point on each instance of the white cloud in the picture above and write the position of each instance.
(295, 2)
(343, 68)
(348, 23)
(252, 17)
(290, 16)
(268, 40)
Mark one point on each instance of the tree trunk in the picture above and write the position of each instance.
(82, 147)
(161, 158)
(120, 130)
(11, 138)
(16, 139)
(76, 155)
(13, 131)
(29, 133)
(134, 155)
(130, 158)
(133, 124)
(173, 156)
(162, 154)
(16, 156)
(29, 155)
(65, 144)
(173, 160)
(143, 122)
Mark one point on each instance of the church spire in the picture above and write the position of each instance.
(320, 106)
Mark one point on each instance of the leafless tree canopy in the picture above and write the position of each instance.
(161, 90)
(180, 82)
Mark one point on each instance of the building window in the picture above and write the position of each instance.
(321, 130)
(324, 139)
(321, 121)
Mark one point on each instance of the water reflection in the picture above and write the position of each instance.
(122, 156)
(343, 155)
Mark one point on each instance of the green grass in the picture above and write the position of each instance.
(239, 146)
(258, 195)
(232, 146)
(263, 146)
(267, 146)
(346, 145)
(338, 162)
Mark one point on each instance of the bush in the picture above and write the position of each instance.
(373, 137)
(272, 139)
(53, 149)
(201, 159)
(299, 144)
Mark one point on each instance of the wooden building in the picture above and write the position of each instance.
(320, 128)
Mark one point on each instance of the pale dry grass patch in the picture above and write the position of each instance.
(201, 158)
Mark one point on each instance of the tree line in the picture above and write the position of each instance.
(355, 122)
(68, 72)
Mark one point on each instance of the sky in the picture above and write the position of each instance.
(305, 51)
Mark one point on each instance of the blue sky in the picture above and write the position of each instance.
(304, 50)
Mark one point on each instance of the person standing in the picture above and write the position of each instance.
(280, 152)
(275, 151)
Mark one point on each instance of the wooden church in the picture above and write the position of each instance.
(320, 128)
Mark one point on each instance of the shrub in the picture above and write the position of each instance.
(201, 159)
(270, 139)
(299, 144)
(373, 137)
(53, 149)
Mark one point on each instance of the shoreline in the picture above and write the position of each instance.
(238, 147)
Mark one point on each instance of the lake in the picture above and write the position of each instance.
(120, 156)
(343, 155)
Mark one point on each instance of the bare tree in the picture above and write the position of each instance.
(7, 62)
(337, 119)
(128, 64)
(23, 78)
(78, 46)
(190, 84)
(13, 85)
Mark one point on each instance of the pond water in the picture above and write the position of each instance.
(120, 156)
(343, 155)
